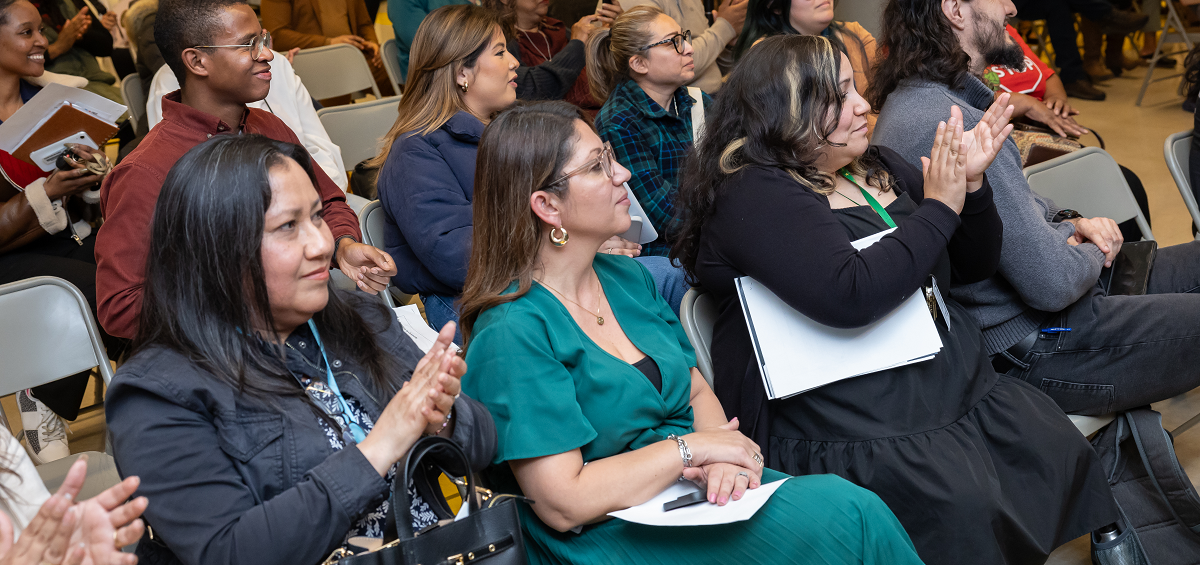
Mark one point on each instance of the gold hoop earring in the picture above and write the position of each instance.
(463, 86)
(561, 240)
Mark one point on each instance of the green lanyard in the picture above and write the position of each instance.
(875, 205)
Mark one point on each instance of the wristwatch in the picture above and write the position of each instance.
(1066, 214)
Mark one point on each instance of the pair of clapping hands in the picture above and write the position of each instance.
(71, 533)
(422, 406)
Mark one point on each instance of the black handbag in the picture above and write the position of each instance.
(490, 534)
(1130, 273)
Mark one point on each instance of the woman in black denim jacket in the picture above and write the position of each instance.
(263, 411)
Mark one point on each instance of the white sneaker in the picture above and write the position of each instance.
(45, 436)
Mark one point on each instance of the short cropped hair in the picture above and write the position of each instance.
(183, 24)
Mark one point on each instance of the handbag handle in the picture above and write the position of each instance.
(401, 501)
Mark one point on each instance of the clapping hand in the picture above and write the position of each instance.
(369, 267)
(945, 167)
(983, 142)
(609, 11)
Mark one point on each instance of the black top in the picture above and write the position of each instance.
(649, 368)
(768, 226)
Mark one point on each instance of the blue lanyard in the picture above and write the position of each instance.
(356, 429)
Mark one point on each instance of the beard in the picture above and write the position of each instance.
(996, 46)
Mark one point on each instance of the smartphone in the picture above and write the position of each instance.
(685, 500)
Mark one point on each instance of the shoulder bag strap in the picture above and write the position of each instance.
(697, 113)
(1158, 456)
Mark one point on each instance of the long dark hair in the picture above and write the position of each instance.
(770, 17)
(916, 42)
(205, 289)
(777, 109)
(1191, 73)
(507, 235)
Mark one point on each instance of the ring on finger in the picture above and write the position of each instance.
(744, 474)
(758, 459)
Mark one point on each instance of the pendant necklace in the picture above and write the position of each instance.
(599, 318)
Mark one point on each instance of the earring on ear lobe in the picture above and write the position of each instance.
(463, 86)
(559, 241)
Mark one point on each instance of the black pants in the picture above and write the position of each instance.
(1124, 351)
(59, 256)
(1060, 23)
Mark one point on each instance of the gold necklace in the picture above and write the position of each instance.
(599, 318)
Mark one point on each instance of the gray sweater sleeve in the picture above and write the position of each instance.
(1036, 260)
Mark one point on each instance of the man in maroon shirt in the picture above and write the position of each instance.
(215, 50)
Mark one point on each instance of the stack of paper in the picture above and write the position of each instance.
(796, 354)
(414, 325)
(56, 115)
(640, 229)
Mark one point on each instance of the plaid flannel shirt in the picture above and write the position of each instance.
(652, 143)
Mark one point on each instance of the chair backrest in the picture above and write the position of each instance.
(371, 220)
(698, 314)
(357, 128)
(1177, 151)
(1090, 181)
(48, 333)
(390, 51)
(334, 70)
(135, 97)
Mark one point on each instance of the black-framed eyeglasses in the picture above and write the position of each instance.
(258, 46)
(676, 41)
(605, 158)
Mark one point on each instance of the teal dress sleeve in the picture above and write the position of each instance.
(530, 394)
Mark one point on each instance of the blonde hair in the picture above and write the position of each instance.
(609, 50)
(449, 39)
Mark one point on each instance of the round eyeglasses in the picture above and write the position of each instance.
(605, 159)
(257, 46)
(677, 40)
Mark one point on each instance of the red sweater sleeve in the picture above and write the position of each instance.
(129, 195)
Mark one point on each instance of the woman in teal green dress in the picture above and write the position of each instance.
(592, 382)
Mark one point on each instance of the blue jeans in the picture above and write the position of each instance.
(669, 279)
(441, 309)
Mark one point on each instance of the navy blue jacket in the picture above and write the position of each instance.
(233, 481)
(426, 186)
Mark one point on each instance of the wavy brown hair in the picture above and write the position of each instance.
(449, 39)
(777, 109)
(507, 234)
(917, 42)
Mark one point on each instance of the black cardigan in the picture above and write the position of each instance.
(768, 226)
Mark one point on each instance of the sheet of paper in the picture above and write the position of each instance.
(415, 326)
(651, 512)
(15, 130)
(641, 230)
(796, 354)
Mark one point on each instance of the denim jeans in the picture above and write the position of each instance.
(441, 309)
(1124, 351)
(669, 279)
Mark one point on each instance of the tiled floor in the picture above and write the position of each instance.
(1134, 136)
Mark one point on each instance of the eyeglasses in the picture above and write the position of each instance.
(676, 40)
(259, 45)
(606, 164)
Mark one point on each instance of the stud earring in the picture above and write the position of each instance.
(559, 241)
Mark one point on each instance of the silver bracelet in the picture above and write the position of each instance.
(684, 451)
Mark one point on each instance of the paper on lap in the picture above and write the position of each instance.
(417, 329)
(704, 514)
(796, 354)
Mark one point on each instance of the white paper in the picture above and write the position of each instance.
(641, 230)
(796, 354)
(651, 512)
(417, 328)
(15, 130)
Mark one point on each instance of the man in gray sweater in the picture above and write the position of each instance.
(1043, 315)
